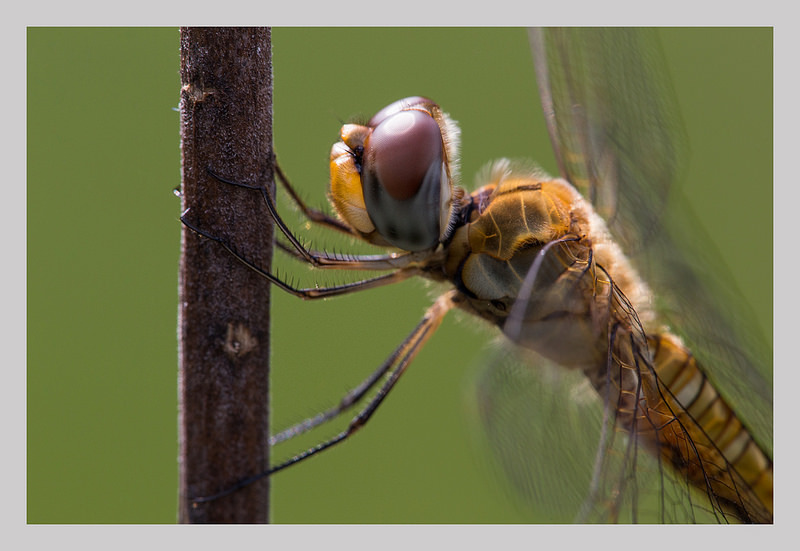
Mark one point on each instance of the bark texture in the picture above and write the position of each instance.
(226, 125)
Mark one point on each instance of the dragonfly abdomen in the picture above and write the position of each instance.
(701, 436)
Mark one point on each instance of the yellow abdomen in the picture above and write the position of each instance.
(701, 436)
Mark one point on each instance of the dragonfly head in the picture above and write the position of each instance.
(392, 180)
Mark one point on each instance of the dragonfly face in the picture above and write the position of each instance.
(450, 236)
(391, 179)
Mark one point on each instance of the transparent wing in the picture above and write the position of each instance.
(553, 438)
(557, 433)
(613, 122)
(618, 137)
(542, 425)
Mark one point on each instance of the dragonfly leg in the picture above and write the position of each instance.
(314, 215)
(310, 293)
(347, 402)
(393, 368)
(320, 259)
(273, 211)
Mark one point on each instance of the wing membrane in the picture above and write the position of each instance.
(537, 419)
(613, 122)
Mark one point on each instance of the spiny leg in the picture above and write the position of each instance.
(310, 293)
(314, 215)
(395, 366)
(348, 401)
(318, 259)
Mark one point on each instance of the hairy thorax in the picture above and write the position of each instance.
(564, 307)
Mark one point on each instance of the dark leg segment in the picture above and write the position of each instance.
(395, 366)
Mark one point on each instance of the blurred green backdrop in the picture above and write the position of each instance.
(103, 246)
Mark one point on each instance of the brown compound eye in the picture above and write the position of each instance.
(404, 104)
(402, 176)
(401, 150)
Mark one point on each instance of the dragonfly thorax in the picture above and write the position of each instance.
(524, 214)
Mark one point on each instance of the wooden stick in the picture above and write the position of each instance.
(226, 126)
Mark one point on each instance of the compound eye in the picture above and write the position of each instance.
(402, 178)
(401, 151)
(405, 104)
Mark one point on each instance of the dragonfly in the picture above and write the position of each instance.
(633, 362)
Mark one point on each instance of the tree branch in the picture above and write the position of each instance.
(226, 125)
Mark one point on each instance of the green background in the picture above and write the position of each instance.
(103, 246)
